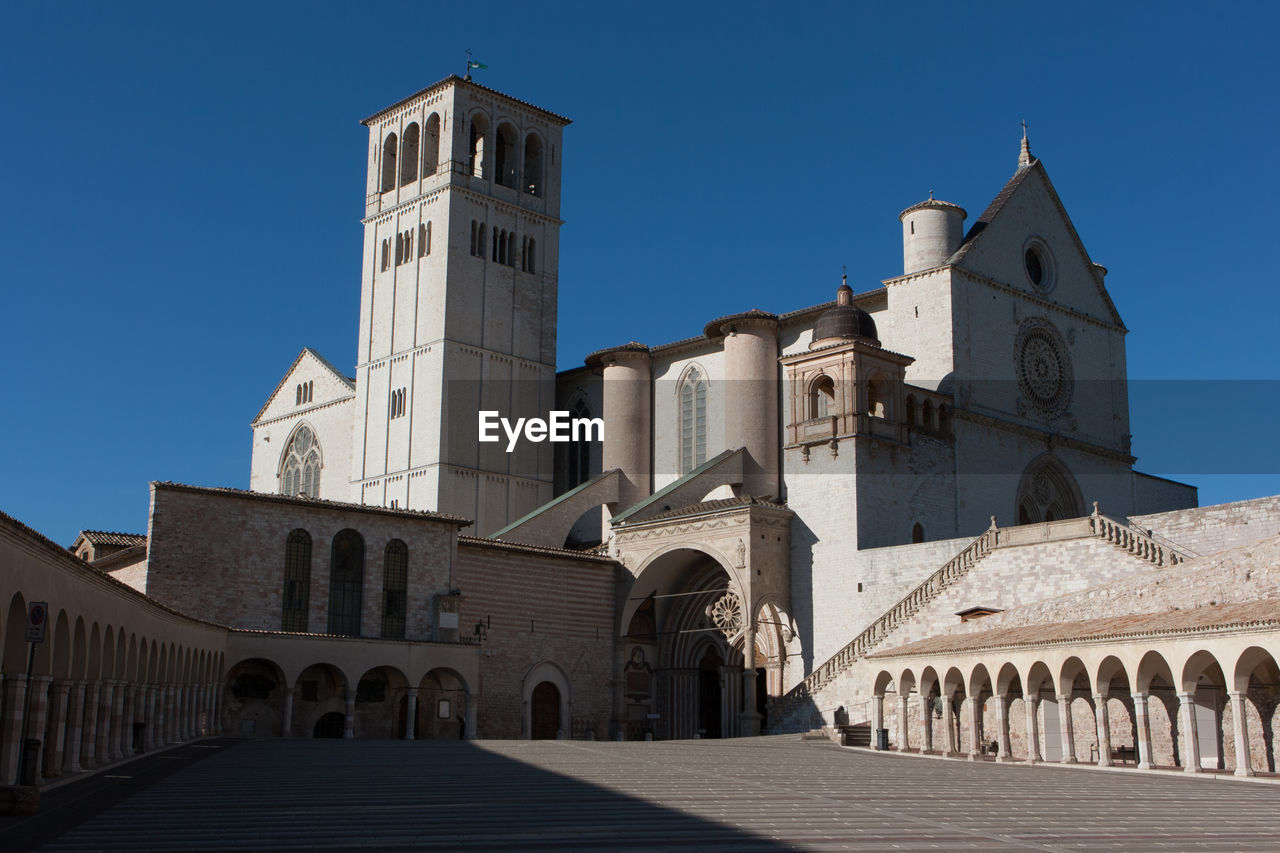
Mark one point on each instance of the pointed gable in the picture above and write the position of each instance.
(327, 385)
(1027, 213)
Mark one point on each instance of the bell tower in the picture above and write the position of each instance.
(457, 302)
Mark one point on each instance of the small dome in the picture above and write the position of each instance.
(845, 320)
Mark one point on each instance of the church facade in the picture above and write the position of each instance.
(776, 499)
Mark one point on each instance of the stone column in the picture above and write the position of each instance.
(102, 745)
(1004, 752)
(37, 718)
(55, 743)
(15, 693)
(411, 714)
(286, 724)
(926, 724)
(89, 739)
(1190, 735)
(1103, 719)
(877, 718)
(115, 745)
(948, 719)
(139, 715)
(749, 719)
(975, 729)
(1240, 724)
(1068, 729)
(127, 718)
(168, 717)
(149, 704)
(904, 725)
(349, 724)
(179, 713)
(217, 707)
(75, 728)
(1033, 728)
(1142, 721)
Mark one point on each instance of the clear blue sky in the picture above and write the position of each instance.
(183, 187)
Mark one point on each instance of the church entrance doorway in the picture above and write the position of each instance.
(544, 709)
(330, 725)
(710, 695)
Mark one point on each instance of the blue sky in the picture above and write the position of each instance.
(183, 188)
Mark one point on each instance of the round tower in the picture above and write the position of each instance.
(628, 396)
(750, 343)
(931, 232)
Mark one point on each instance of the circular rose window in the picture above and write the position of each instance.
(1044, 369)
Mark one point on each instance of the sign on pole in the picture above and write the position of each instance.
(37, 621)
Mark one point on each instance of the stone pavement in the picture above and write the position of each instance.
(770, 793)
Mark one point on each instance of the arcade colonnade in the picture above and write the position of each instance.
(116, 674)
(1209, 701)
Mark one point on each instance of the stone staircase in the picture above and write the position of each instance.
(796, 709)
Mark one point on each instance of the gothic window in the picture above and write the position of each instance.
(481, 241)
(917, 533)
(474, 243)
(389, 163)
(579, 451)
(395, 579)
(497, 241)
(1048, 492)
(346, 582)
(693, 421)
(297, 581)
(500, 247)
(431, 146)
(386, 254)
(399, 249)
(300, 468)
(476, 164)
(822, 397)
(533, 164)
(397, 403)
(409, 157)
(298, 396)
(505, 156)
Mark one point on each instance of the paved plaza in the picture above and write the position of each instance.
(770, 793)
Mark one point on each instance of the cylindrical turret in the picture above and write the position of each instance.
(628, 402)
(931, 233)
(751, 395)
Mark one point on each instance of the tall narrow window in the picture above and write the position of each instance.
(346, 583)
(917, 533)
(300, 464)
(475, 226)
(431, 146)
(531, 259)
(511, 249)
(693, 421)
(395, 580)
(297, 581)
(481, 243)
(399, 249)
(424, 239)
(533, 164)
(580, 450)
(409, 156)
(389, 163)
(386, 254)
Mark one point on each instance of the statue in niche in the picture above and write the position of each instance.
(638, 676)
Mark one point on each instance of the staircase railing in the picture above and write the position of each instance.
(951, 571)
(1136, 542)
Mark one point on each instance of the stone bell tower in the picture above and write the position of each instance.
(457, 302)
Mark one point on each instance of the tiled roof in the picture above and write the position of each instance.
(712, 329)
(713, 506)
(483, 542)
(313, 502)
(106, 537)
(1248, 614)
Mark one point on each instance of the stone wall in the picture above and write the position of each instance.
(539, 608)
(1210, 529)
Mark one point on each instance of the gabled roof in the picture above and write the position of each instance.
(1002, 198)
(341, 377)
(315, 503)
(106, 537)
